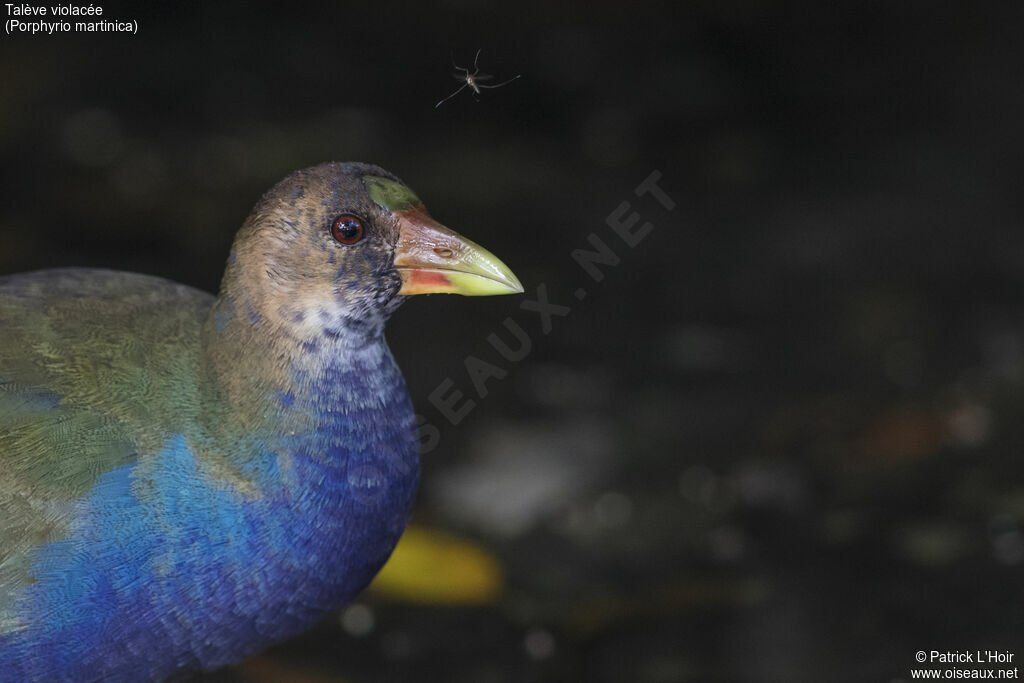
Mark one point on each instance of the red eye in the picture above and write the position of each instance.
(347, 229)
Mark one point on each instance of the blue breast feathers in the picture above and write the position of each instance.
(167, 559)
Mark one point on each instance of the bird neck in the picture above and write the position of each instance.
(300, 384)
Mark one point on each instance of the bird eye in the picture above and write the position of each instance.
(347, 229)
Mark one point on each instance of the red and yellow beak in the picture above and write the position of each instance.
(433, 259)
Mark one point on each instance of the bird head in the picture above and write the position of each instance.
(340, 246)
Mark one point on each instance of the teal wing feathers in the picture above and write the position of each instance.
(92, 365)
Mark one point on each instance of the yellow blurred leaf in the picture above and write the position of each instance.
(435, 568)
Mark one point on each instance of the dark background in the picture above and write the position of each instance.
(780, 441)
